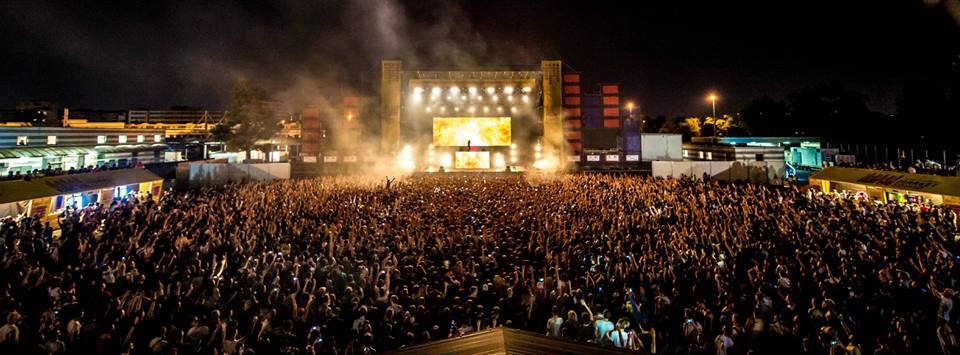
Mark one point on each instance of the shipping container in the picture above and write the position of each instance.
(611, 112)
(571, 78)
(611, 101)
(611, 123)
(571, 100)
(571, 89)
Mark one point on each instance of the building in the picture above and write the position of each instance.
(93, 116)
(25, 149)
(32, 113)
(890, 186)
(176, 115)
(48, 196)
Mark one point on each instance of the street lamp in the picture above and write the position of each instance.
(713, 103)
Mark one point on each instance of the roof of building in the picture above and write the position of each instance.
(932, 184)
(34, 152)
(22, 190)
(507, 341)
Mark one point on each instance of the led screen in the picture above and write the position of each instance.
(479, 131)
(472, 160)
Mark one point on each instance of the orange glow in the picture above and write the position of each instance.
(479, 131)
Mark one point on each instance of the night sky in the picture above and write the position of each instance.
(667, 55)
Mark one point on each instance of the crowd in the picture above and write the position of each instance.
(50, 171)
(357, 265)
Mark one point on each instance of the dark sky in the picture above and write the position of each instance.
(667, 55)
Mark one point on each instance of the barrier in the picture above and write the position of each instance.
(213, 174)
(761, 172)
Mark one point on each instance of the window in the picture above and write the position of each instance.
(156, 138)
(709, 155)
(101, 139)
(140, 139)
(21, 140)
(700, 154)
(51, 140)
(122, 139)
(760, 157)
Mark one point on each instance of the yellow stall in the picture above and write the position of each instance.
(890, 186)
(48, 196)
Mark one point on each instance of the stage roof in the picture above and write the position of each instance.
(932, 184)
(508, 341)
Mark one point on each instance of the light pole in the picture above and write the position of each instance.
(713, 103)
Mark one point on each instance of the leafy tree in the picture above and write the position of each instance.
(694, 125)
(248, 118)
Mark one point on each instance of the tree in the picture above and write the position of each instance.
(248, 118)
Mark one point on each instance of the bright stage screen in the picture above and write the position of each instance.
(479, 131)
(472, 160)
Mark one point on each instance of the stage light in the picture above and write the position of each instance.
(454, 90)
(537, 148)
(513, 109)
(508, 90)
(495, 98)
(436, 90)
(417, 97)
(498, 160)
(513, 146)
(472, 109)
(405, 161)
(472, 90)
(526, 98)
(479, 98)
(417, 90)
(513, 160)
(428, 108)
(527, 89)
(443, 109)
(456, 109)
(486, 109)
(537, 155)
(446, 160)
(499, 109)
(491, 90)
(449, 97)
(463, 97)
(510, 98)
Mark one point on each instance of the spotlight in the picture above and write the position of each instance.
(417, 98)
(456, 109)
(472, 109)
(405, 161)
(449, 97)
(479, 98)
(446, 160)
(417, 90)
(486, 109)
(443, 109)
(472, 90)
(498, 160)
(428, 108)
(513, 146)
(463, 97)
(494, 98)
(499, 109)
(526, 98)
(537, 155)
(513, 160)
(513, 109)
(510, 98)
(527, 89)
(537, 148)
(436, 90)
(454, 90)
(491, 90)
(508, 90)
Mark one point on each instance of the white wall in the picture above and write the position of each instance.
(661, 147)
(209, 174)
(756, 172)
